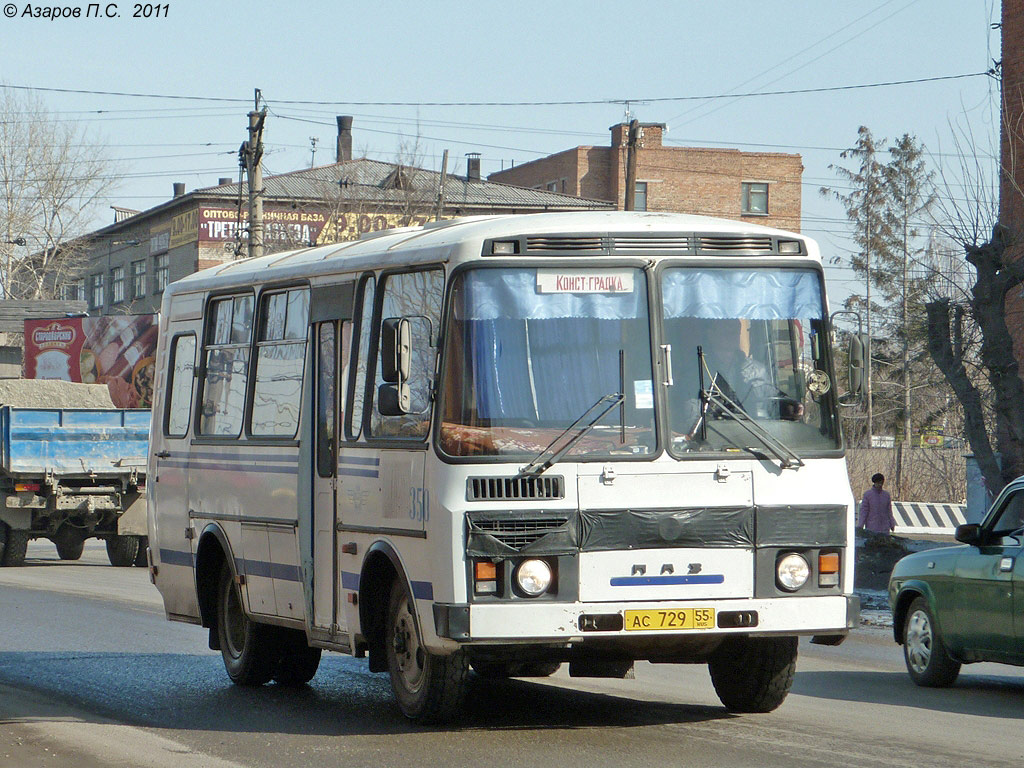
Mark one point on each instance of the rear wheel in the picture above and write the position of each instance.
(13, 546)
(140, 559)
(123, 551)
(753, 674)
(429, 688)
(927, 661)
(70, 542)
(249, 649)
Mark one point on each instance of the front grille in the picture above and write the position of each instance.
(651, 243)
(518, 532)
(734, 244)
(513, 488)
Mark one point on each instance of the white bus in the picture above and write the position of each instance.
(503, 444)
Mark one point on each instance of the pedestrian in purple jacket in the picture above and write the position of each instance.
(876, 508)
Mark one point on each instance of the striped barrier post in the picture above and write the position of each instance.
(924, 517)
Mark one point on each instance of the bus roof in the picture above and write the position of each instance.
(423, 243)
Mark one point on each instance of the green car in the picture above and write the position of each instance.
(957, 605)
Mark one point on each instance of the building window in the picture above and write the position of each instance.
(138, 279)
(551, 186)
(159, 272)
(117, 285)
(640, 196)
(97, 292)
(755, 198)
(73, 291)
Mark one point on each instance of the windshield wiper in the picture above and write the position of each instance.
(540, 464)
(715, 396)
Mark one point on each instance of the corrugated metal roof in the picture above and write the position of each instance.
(372, 182)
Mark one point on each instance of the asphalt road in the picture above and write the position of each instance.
(92, 675)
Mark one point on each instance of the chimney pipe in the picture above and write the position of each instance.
(344, 153)
(473, 166)
(224, 180)
(179, 188)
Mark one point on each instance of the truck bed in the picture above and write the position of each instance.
(73, 441)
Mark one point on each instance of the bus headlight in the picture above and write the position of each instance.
(792, 571)
(533, 577)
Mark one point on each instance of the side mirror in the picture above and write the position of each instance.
(395, 350)
(394, 399)
(968, 533)
(856, 356)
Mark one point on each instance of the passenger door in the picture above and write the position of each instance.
(332, 328)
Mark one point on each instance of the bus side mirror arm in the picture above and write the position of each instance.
(394, 399)
(856, 353)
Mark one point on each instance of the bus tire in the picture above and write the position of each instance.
(140, 559)
(122, 550)
(498, 670)
(70, 542)
(247, 647)
(298, 662)
(428, 688)
(753, 674)
(13, 547)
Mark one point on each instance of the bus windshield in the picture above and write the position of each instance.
(529, 351)
(757, 336)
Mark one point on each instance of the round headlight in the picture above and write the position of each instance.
(533, 577)
(793, 572)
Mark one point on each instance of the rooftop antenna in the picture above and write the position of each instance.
(312, 149)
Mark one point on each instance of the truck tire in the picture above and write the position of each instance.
(70, 542)
(122, 550)
(14, 546)
(429, 688)
(250, 650)
(141, 561)
(498, 670)
(298, 662)
(753, 674)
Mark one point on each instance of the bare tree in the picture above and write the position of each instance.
(53, 178)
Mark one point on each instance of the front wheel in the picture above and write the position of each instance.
(429, 688)
(753, 674)
(298, 662)
(248, 648)
(13, 546)
(927, 661)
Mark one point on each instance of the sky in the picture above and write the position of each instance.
(512, 81)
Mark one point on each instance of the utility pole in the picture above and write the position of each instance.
(312, 150)
(440, 191)
(251, 156)
(629, 203)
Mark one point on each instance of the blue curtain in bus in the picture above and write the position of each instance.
(496, 293)
(758, 294)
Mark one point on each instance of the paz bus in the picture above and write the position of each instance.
(497, 445)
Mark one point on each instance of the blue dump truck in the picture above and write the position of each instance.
(69, 474)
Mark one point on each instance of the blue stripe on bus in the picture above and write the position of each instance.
(653, 581)
(174, 557)
(358, 472)
(233, 467)
(423, 590)
(279, 571)
(359, 460)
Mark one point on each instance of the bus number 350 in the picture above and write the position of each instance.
(419, 504)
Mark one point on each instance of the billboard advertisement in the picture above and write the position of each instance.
(116, 350)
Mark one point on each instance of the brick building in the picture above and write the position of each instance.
(129, 263)
(762, 187)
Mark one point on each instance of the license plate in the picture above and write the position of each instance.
(660, 620)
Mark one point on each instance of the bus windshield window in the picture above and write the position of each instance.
(530, 350)
(760, 333)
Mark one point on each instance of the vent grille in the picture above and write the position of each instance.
(512, 488)
(520, 532)
(564, 244)
(653, 243)
(736, 244)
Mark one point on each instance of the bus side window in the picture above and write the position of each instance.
(179, 398)
(417, 297)
(280, 357)
(357, 385)
(226, 365)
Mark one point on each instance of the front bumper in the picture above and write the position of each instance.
(526, 622)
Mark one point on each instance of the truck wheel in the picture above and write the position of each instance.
(122, 550)
(140, 558)
(70, 542)
(429, 688)
(497, 670)
(249, 649)
(13, 547)
(753, 674)
(298, 662)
